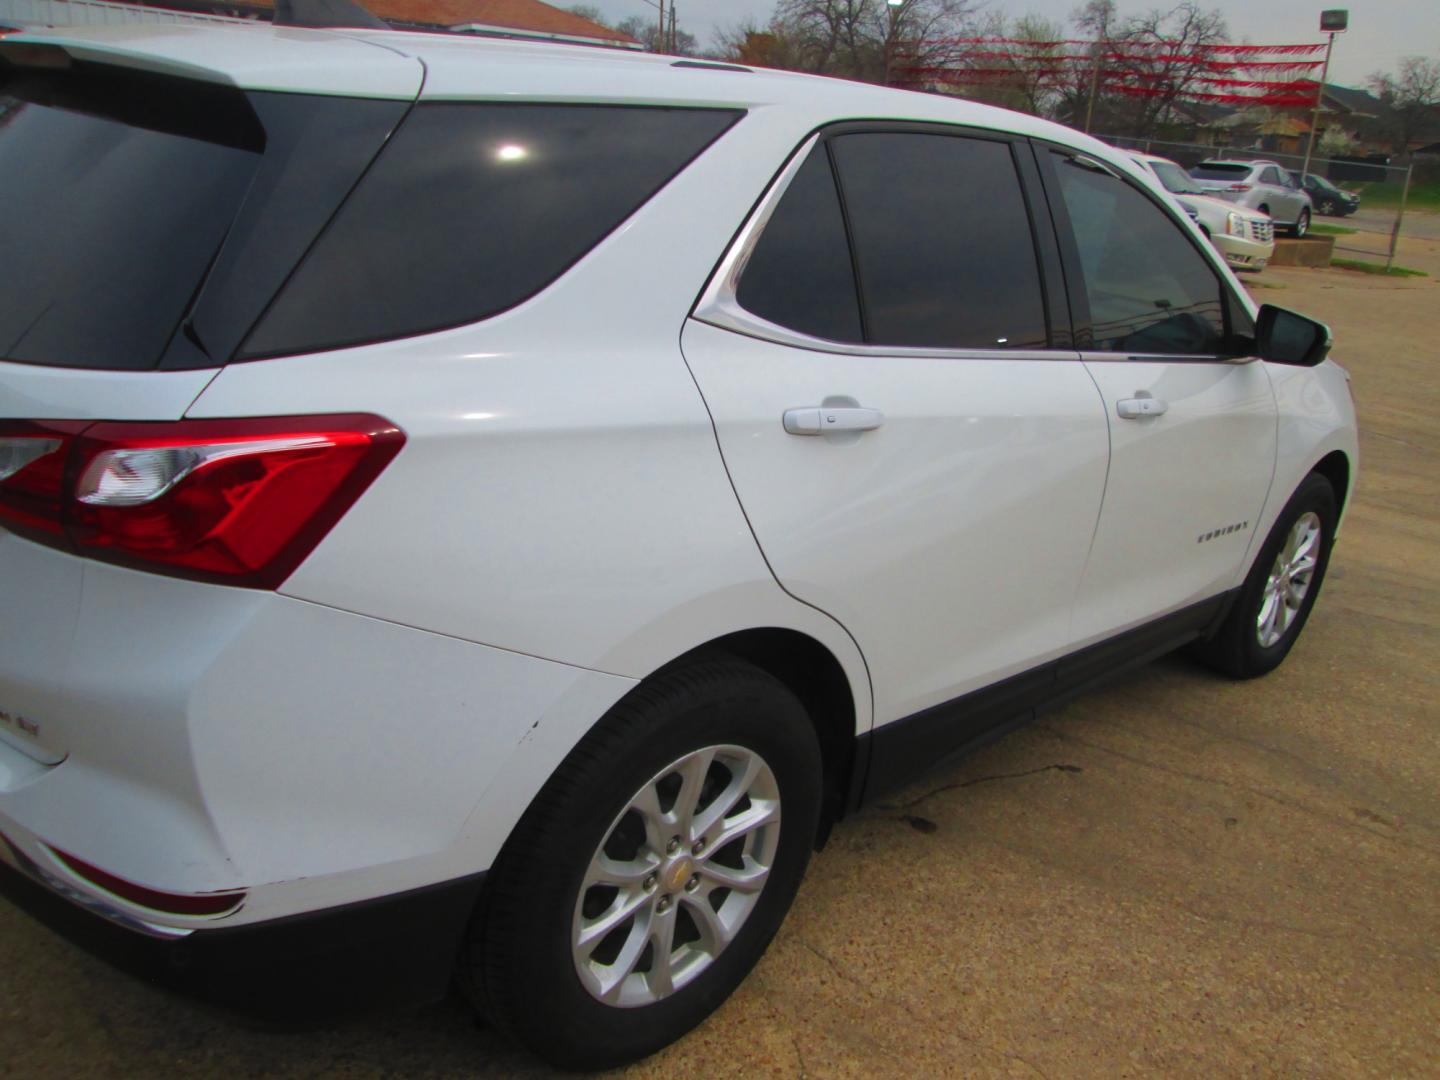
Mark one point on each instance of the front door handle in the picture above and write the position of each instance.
(1137, 408)
(822, 421)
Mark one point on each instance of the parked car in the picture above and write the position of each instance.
(1246, 238)
(484, 511)
(1326, 197)
(1259, 185)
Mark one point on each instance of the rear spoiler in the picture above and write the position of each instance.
(246, 55)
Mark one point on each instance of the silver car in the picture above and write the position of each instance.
(1259, 185)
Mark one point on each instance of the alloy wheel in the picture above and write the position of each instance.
(678, 873)
(1289, 580)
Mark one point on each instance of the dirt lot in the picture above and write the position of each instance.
(1179, 876)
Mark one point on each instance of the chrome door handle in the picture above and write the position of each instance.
(821, 421)
(1137, 408)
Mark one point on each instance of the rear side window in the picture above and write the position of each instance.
(800, 275)
(118, 192)
(1149, 289)
(473, 208)
(942, 240)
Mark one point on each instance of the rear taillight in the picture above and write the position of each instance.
(33, 454)
(241, 502)
(1238, 187)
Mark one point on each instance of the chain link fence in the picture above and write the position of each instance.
(1372, 231)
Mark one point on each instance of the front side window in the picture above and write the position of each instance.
(1149, 289)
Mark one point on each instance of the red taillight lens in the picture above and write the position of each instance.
(1239, 187)
(240, 502)
(32, 476)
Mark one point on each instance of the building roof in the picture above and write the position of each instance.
(1358, 102)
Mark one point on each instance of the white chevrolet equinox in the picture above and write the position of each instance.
(482, 511)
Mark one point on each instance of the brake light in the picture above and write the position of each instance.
(1238, 187)
(240, 502)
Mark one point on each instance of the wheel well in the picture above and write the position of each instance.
(1335, 467)
(1205, 231)
(813, 674)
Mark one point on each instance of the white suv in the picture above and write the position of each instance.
(487, 509)
(1246, 238)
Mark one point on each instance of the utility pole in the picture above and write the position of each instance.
(1331, 22)
(1097, 54)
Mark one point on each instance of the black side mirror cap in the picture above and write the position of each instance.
(1285, 337)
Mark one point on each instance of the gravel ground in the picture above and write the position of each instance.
(1177, 876)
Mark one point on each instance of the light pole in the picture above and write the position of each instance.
(897, 9)
(1331, 22)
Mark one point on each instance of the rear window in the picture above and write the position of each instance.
(117, 194)
(1213, 171)
(473, 208)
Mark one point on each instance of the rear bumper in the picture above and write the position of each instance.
(396, 950)
(194, 741)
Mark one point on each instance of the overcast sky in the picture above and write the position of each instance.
(1382, 31)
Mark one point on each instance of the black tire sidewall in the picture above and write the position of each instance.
(1248, 657)
(547, 1006)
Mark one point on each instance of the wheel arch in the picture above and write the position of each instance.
(1335, 467)
(816, 676)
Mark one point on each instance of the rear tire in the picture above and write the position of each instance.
(1328, 208)
(1280, 591)
(604, 933)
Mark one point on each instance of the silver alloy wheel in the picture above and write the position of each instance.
(679, 871)
(1289, 580)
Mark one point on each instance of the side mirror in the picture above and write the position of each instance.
(1283, 337)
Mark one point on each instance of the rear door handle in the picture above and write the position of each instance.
(821, 421)
(1137, 408)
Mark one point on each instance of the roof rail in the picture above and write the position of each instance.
(326, 14)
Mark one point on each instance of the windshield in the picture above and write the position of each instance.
(1176, 180)
(1215, 170)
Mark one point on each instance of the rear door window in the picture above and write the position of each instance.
(118, 193)
(943, 245)
(471, 209)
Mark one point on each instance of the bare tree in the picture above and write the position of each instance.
(1165, 59)
(1412, 96)
(647, 32)
(643, 30)
(871, 39)
(1023, 67)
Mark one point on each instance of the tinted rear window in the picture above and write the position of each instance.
(942, 241)
(800, 274)
(473, 208)
(118, 193)
(1220, 172)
